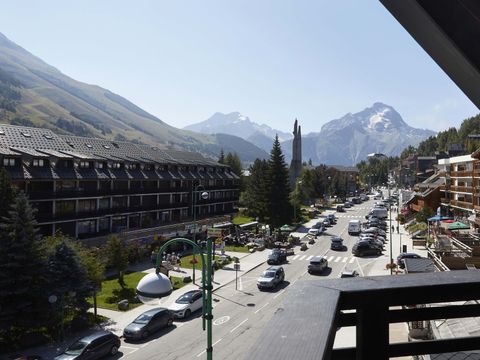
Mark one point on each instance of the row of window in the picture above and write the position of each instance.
(85, 164)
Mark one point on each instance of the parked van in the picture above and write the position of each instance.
(380, 213)
(354, 227)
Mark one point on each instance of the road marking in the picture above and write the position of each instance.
(330, 258)
(280, 293)
(311, 256)
(337, 259)
(215, 343)
(345, 259)
(236, 327)
(302, 257)
(261, 308)
(351, 260)
(128, 347)
(295, 257)
(221, 320)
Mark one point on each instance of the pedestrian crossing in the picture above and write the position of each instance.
(332, 258)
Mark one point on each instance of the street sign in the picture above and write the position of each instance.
(236, 266)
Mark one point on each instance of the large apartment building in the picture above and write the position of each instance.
(88, 187)
(461, 189)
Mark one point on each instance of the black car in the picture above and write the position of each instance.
(406, 255)
(94, 346)
(336, 243)
(363, 248)
(147, 323)
(278, 256)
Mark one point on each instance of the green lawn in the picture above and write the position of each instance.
(242, 249)
(241, 219)
(186, 261)
(112, 292)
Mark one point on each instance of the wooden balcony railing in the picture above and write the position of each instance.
(468, 173)
(444, 200)
(306, 326)
(462, 204)
(465, 189)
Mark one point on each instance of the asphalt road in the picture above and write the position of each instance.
(240, 315)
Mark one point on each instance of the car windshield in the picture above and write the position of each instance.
(76, 348)
(184, 299)
(143, 319)
(269, 274)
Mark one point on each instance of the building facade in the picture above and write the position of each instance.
(88, 188)
(461, 189)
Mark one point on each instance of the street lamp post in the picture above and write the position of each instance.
(157, 285)
(389, 208)
(204, 196)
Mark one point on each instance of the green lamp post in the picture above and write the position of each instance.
(157, 285)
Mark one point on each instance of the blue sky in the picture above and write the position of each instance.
(271, 60)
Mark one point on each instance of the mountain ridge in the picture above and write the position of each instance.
(43, 96)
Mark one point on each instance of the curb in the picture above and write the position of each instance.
(246, 272)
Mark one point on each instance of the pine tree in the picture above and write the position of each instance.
(23, 281)
(233, 160)
(280, 210)
(117, 257)
(255, 195)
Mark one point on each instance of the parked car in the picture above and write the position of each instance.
(147, 323)
(373, 240)
(340, 208)
(336, 243)
(349, 273)
(363, 248)
(316, 229)
(405, 255)
(326, 222)
(187, 304)
(317, 264)
(277, 256)
(271, 277)
(94, 346)
(332, 218)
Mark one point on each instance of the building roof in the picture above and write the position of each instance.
(418, 265)
(344, 168)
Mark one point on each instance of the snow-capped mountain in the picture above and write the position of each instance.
(237, 124)
(348, 140)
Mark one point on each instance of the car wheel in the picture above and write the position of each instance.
(170, 322)
(145, 334)
(114, 350)
(187, 313)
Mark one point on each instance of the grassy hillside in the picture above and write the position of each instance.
(34, 93)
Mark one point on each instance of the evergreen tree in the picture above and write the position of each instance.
(233, 160)
(68, 280)
(117, 257)
(23, 281)
(280, 210)
(221, 158)
(255, 195)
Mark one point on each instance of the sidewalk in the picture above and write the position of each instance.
(398, 331)
(222, 277)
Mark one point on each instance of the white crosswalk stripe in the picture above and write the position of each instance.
(311, 256)
(344, 260)
(302, 257)
(338, 259)
(295, 257)
(330, 258)
(351, 260)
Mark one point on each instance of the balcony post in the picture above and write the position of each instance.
(372, 333)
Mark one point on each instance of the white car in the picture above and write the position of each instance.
(186, 304)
